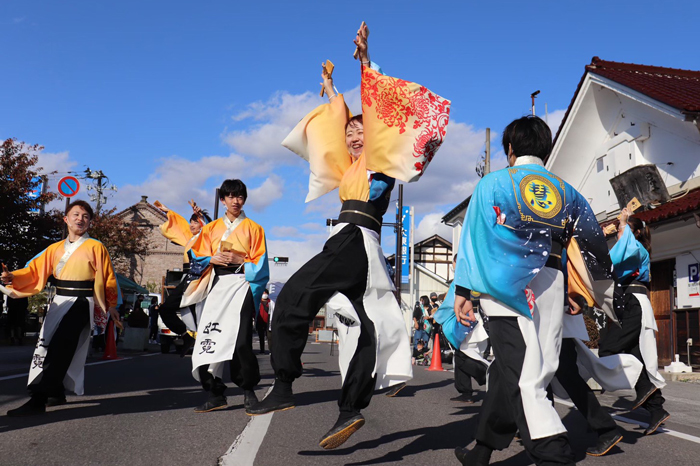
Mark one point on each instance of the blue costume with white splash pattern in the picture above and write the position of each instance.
(539, 207)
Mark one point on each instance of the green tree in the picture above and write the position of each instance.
(24, 231)
(122, 239)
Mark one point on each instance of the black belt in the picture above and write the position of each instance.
(235, 270)
(78, 288)
(185, 267)
(362, 214)
(554, 258)
(637, 288)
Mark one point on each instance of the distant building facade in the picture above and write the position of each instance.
(162, 254)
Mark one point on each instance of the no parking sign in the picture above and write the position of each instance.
(68, 186)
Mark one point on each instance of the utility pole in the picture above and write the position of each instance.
(399, 235)
(487, 157)
(216, 204)
(533, 95)
(100, 184)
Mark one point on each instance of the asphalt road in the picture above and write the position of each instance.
(139, 411)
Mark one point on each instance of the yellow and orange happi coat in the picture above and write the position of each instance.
(90, 261)
(177, 230)
(246, 239)
(404, 125)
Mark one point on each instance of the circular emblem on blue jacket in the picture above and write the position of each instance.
(540, 195)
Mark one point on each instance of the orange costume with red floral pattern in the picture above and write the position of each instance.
(404, 125)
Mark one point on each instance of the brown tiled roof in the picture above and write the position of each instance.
(683, 204)
(674, 87)
(677, 88)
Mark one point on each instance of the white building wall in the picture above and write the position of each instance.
(613, 130)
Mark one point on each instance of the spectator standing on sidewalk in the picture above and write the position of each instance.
(153, 320)
(262, 320)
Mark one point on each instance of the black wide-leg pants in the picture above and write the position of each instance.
(467, 369)
(168, 309)
(341, 267)
(625, 339)
(502, 413)
(61, 350)
(578, 390)
(244, 368)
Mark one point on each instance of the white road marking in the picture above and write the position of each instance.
(660, 430)
(244, 449)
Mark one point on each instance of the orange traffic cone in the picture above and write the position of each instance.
(436, 362)
(111, 343)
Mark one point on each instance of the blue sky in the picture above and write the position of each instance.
(170, 97)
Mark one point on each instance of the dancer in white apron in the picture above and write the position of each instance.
(183, 233)
(227, 277)
(577, 363)
(637, 335)
(518, 221)
(471, 343)
(407, 124)
(83, 277)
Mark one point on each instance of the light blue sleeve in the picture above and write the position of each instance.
(627, 256)
(379, 185)
(453, 330)
(257, 276)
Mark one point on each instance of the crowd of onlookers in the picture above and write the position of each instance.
(425, 328)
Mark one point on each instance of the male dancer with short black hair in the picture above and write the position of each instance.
(518, 222)
(228, 274)
(84, 278)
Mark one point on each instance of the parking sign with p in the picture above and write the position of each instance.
(694, 273)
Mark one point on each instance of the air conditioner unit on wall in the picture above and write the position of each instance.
(643, 182)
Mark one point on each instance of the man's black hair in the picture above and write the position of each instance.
(233, 188)
(528, 135)
(82, 204)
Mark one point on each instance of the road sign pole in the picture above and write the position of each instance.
(65, 225)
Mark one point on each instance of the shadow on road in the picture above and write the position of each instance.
(444, 437)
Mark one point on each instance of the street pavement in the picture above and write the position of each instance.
(139, 411)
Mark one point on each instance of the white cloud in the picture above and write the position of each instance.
(451, 176)
(268, 192)
(285, 232)
(299, 253)
(274, 119)
(431, 225)
(176, 180)
(59, 162)
(317, 227)
(554, 120)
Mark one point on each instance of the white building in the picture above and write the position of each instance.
(432, 258)
(634, 131)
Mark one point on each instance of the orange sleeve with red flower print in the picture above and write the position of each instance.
(404, 125)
